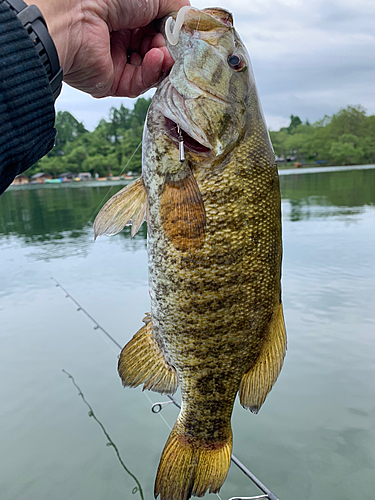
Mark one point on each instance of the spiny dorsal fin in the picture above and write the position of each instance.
(142, 362)
(182, 212)
(259, 380)
(128, 204)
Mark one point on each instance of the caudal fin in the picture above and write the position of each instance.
(189, 468)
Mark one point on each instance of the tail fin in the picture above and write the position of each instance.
(191, 467)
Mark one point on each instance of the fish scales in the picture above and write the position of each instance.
(206, 319)
(214, 250)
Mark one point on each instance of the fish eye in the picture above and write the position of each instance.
(236, 62)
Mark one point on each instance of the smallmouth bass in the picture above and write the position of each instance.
(216, 325)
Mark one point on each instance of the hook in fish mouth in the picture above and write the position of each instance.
(175, 131)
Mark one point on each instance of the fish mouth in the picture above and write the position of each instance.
(189, 142)
(177, 117)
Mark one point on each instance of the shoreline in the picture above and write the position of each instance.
(123, 182)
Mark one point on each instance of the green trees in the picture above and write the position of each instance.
(346, 138)
(108, 150)
(69, 129)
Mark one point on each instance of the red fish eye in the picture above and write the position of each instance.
(235, 62)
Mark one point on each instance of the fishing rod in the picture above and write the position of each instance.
(157, 407)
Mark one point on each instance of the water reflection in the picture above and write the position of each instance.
(63, 215)
(42, 214)
(326, 194)
(57, 219)
(55, 222)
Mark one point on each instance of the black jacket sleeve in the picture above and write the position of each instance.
(27, 114)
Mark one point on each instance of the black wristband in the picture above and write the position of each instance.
(34, 23)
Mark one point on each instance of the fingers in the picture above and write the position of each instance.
(135, 80)
(167, 6)
(159, 42)
(138, 62)
(140, 59)
(132, 15)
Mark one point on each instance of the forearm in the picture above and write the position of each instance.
(63, 18)
(26, 102)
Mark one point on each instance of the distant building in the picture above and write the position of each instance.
(20, 180)
(40, 178)
(84, 176)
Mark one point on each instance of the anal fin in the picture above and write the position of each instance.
(142, 362)
(128, 204)
(259, 380)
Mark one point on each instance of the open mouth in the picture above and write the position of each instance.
(189, 142)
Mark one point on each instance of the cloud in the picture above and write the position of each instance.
(309, 58)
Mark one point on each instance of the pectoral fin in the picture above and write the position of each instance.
(182, 212)
(259, 380)
(142, 362)
(128, 204)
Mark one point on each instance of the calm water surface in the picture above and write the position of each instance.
(313, 439)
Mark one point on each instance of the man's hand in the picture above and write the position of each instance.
(109, 47)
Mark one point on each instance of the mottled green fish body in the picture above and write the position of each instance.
(214, 250)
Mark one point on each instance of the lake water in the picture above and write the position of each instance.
(313, 439)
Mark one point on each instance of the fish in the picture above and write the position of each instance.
(210, 195)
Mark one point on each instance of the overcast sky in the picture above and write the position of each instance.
(310, 58)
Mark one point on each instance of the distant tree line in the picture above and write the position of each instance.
(107, 150)
(346, 138)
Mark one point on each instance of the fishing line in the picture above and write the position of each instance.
(81, 308)
(110, 442)
(268, 493)
(110, 189)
